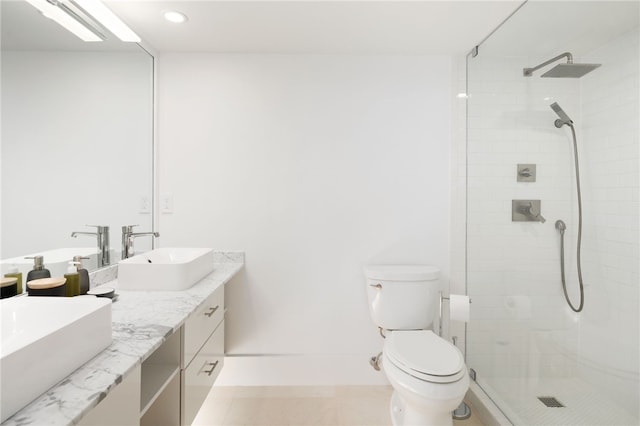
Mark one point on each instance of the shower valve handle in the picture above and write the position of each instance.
(525, 172)
(529, 210)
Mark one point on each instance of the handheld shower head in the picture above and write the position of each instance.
(564, 118)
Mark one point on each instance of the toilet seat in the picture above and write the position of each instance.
(424, 355)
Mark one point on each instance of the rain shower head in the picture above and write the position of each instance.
(564, 118)
(568, 70)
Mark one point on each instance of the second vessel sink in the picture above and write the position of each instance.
(44, 339)
(165, 269)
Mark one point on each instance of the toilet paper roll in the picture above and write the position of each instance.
(459, 305)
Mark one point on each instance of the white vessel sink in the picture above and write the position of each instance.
(44, 339)
(165, 269)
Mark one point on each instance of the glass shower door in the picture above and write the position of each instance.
(537, 359)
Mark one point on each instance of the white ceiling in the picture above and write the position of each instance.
(552, 27)
(392, 27)
(448, 27)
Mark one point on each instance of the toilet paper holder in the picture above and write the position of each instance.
(440, 316)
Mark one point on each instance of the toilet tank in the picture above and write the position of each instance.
(403, 297)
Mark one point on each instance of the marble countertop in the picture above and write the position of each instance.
(142, 321)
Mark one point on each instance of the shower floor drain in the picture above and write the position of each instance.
(550, 401)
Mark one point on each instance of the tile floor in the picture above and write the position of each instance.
(300, 406)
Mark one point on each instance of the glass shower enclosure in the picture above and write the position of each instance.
(540, 361)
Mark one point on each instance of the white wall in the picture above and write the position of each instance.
(314, 165)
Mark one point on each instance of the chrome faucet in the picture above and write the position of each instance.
(127, 239)
(102, 235)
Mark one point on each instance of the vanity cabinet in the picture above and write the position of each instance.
(203, 354)
(160, 367)
(170, 386)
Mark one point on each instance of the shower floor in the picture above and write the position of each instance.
(584, 404)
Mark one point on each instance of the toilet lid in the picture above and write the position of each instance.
(424, 355)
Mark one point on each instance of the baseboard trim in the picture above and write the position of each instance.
(299, 370)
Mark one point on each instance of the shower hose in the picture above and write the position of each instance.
(561, 227)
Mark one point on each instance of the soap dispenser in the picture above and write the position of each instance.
(84, 274)
(73, 280)
(38, 271)
(13, 272)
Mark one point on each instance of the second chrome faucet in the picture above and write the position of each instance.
(127, 239)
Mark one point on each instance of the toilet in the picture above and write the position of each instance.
(427, 372)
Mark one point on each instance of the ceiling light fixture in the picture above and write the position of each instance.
(58, 15)
(173, 16)
(105, 17)
(82, 16)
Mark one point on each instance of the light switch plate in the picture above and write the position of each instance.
(145, 204)
(166, 203)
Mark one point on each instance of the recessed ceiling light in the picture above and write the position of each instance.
(173, 16)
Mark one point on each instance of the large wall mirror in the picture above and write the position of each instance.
(77, 139)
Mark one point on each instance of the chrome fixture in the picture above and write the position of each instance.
(568, 70)
(127, 239)
(375, 361)
(560, 225)
(564, 118)
(102, 236)
(526, 211)
(526, 173)
(463, 412)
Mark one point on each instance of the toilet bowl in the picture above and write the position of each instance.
(427, 372)
(428, 375)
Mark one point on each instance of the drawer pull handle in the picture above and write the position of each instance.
(211, 311)
(213, 367)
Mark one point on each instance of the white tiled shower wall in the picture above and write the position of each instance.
(520, 324)
(609, 333)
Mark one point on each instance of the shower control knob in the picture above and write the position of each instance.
(526, 173)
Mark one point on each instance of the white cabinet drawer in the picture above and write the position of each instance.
(198, 378)
(201, 324)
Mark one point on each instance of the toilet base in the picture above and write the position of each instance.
(404, 415)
